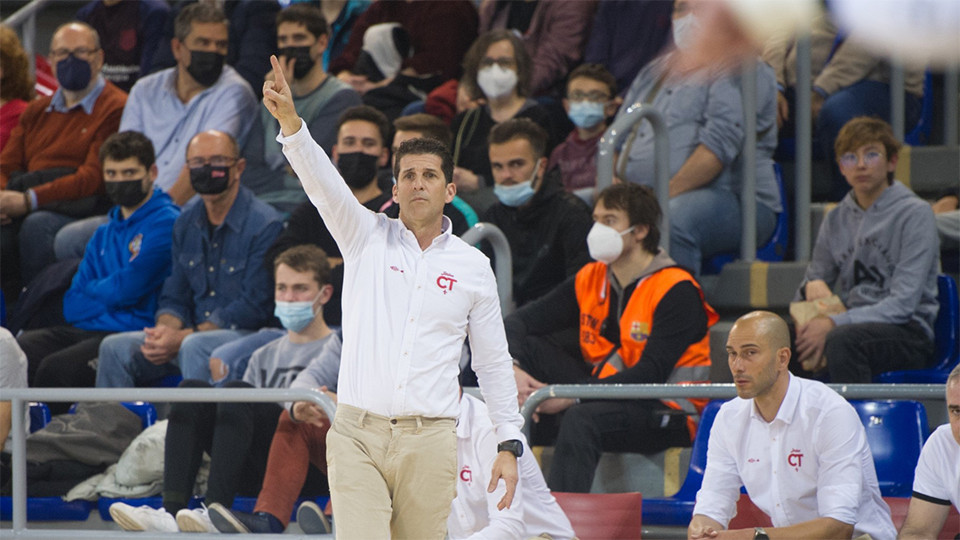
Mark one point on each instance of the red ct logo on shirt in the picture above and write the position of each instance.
(445, 281)
(795, 459)
(465, 474)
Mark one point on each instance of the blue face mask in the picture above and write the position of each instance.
(586, 114)
(295, 316)
(73, 73)
(517, 194)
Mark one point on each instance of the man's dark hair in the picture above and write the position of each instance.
(426, 145)
(128, 144)
(367, 113)
(597, 73)
(427, 125)
(520, 128)
(309, 16)
(306, 258)
(196, 13)
(640, 204)
(476, 52)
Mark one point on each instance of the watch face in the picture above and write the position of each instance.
(513, 446)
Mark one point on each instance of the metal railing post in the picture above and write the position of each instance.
(748, 158)
(503, 260)
(803, 137)
(19, 430)
(661, 148)
(951, 122)
(897, 90)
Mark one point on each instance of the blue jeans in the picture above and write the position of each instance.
(122, 365)
(236, 354)
(71, 241)
(36, 238)
(706, 221)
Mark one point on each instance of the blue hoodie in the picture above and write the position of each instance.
(118, 283)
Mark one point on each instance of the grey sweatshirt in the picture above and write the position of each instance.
(882, 262)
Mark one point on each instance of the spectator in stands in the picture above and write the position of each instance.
(590, 100)
(237, 435)
(219, 289)
(302, 39)
(131, 31)
(703, 112)
(545, 226)
(936, 484)
(626, 35)
(117, 285)
(796, 445)
(848, 81)
(360, 151)
(499, 65)
(878, 252)
(553, 32)
(49, 169)
(946, 210)
(13, 374)
(419, 125)
(16, 85)
(252, 37)
(342, 15)
(197, 94)
(641, 319)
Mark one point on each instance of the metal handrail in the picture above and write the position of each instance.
(18, 396)
(503, 260)
(711, 391)
(661, 151)
(748, 159)
(804, 155)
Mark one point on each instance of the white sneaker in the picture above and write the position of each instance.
(142, 518)
(195, 520)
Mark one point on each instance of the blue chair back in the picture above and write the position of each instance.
(896, 431)
(144, 409)
(39, 415)
(920, 134)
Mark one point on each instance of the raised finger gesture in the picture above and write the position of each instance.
(278, 100)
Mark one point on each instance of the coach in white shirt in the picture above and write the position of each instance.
(936, 483)
(797, 446)
(474, 514)
(412, 292)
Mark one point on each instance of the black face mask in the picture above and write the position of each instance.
(303, 64)
(127, 193)
(205, 67)
(357, 168)
(73, 73)
(210, 180)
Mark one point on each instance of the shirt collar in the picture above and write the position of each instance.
(788, 406)
(58, 102)
(235, 216)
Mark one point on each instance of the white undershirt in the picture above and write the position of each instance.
(938, 470)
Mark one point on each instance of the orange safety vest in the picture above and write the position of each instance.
(593, 292)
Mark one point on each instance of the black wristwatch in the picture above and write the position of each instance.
(760, 534)
(514, 446)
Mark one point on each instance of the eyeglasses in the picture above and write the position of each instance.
(870, 159)
(594, 95)
(215, 161)
(82, 53)
(503, 62)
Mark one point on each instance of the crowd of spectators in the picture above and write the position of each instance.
(155, 184)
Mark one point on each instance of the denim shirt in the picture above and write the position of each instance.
(219, 273)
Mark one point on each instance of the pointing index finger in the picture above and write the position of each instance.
(280, 81)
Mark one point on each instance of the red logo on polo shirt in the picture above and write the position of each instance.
(465, 474)
(795, 459)
(445, 281)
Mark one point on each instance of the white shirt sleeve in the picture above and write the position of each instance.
(840, 436)
(508, 523)
(720, 490)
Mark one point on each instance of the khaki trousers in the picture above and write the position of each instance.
(391, 477)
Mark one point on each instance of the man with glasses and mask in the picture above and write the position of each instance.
(302, 38)
(219, 289)
(118, 282)
(879, 252)
(197, 94)
(50, 169)
(641, 319)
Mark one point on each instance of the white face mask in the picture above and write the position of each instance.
(605, 243)
(685, 31)
(496, 81)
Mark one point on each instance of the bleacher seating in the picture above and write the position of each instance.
(602, 516)
(896, 431)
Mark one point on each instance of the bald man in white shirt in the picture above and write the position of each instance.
(412, 293)
(797, 446)
(936, 484)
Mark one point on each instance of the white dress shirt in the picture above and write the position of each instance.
(474, 513)
(406, 310)
(937, 478)
(811, 461)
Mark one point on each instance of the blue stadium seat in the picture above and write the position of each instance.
(39, 415)
(678, 509)
(920, 134)
(896, 431)
(946, 329)
(774, 250)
